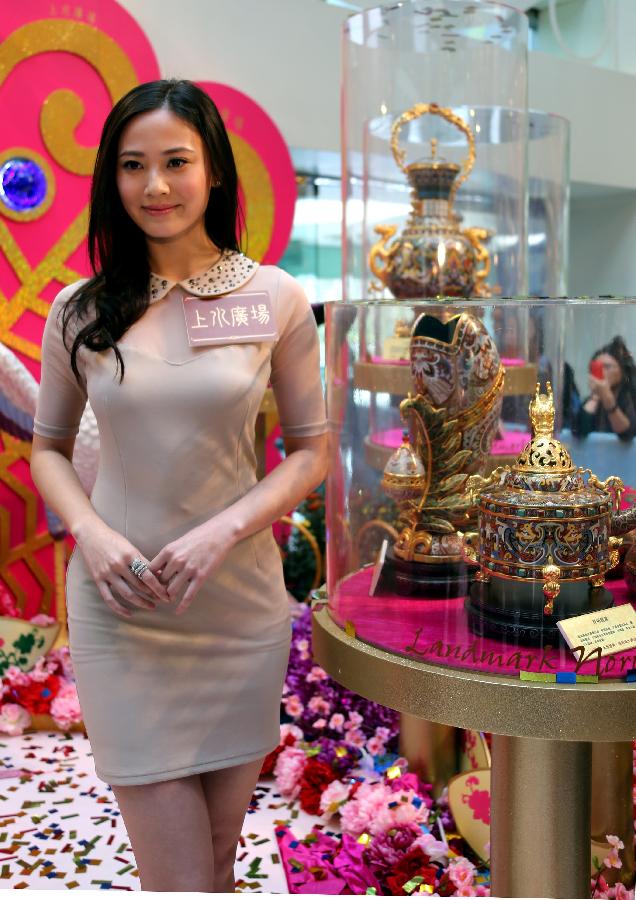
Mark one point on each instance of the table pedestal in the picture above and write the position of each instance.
(540, 817)
(431, 750)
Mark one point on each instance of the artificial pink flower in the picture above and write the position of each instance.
(13, 719)
(320, 723)
(462, 873)
(336, 721)
(288, 771)
(437, 851)
(355, 719)
(62, 656)
(290, 729)
(613, 860)
(409, 781)
(44, 666)
(383, 733)
(362, 811)
(355, 737)
(387, 848)
(16, 677)
(293, 706)
(405, 813)
(614, 841)
(375, 746)
(621, 892)
(318, 704)
(467, 891)
(65, 708)
(303, 647)
(333, 796)
(316, 674)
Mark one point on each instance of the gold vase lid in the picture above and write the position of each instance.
(544, 453)
(433, 178)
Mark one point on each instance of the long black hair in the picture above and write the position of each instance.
(118, 290)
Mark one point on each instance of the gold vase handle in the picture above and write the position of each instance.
(477, 236)
(380, 255)
(421, 109)
(551, 585)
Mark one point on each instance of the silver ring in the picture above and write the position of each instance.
(138, 567)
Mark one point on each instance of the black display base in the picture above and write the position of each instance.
(488, 619)
(425, 580)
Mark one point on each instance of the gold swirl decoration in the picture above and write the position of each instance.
(259, 196)
(62, 111)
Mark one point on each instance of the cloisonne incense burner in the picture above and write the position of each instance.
(545, 539)
(433, 256)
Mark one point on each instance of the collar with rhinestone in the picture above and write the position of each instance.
(232, 270)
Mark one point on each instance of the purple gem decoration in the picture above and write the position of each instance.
(22, 184)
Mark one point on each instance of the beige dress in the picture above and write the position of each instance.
(162, 695)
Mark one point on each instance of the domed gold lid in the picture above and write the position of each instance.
(543, 454)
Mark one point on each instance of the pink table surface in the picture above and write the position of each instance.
(511, 444)
(436, 631)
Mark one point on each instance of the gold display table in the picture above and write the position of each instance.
(541, 750)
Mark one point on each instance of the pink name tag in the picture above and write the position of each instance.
(235, 318)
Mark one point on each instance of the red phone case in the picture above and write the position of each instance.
(596, 369)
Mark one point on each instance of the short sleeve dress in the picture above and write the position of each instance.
(162, 695)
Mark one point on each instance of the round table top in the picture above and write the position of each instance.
(477, 700)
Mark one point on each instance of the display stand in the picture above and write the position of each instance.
(541, 752)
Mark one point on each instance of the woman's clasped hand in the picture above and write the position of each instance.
(183, 563)
(108, 555)
(190, 559)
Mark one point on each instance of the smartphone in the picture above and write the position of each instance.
(596, 369)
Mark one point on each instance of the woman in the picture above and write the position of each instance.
(611, 405)
(179, 624)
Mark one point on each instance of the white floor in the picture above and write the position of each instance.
(60, 827)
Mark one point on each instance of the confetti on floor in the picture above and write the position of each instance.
(60, 827)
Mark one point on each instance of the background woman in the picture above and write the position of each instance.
(179, 623)
(611, 405)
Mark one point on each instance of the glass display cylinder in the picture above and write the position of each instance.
(548, 203)
(432, 556)
(467, 64)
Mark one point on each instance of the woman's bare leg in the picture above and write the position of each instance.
(228, 793)
(169, 829)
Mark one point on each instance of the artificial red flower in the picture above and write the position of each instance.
(316, 776)
(415, 862)
(37, 696)
(270, 760)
